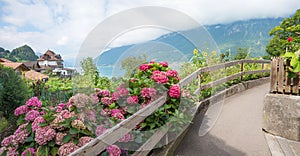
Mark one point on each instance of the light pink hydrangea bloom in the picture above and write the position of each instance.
(35, 102)
(21, 110)
(113, 150)
(84, 140)
(67, 149)
(31, 115)
(44, 134)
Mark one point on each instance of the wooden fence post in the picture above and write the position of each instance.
(273, 84)
(242, 69)
(280, 76)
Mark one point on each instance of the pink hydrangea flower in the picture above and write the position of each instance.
(148, 92)
(62, 105)
(2, 149)
(84, 140)
(115, 111)
(91, 115)
(12, 151)
(44, 134)
(107, 101)
(58, 138)
(115, 96)
(159, 77)
(100, 130)
(133, 100)
(164, 64)
(28, 151)
(31, 115)
(172, 73)
(113, 150)
(56, 122)
(36, 122)
(122, 91)
(104, 93)
(174, 91)
(35, 102)
(7, 141)
(21, 110)
(117, 114)
(290, 39)
(58, 109)
(67, 149)
(21, 134)
(125, 138)
(105, 112)
(144, 67)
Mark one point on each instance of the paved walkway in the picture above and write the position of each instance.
(238, 130)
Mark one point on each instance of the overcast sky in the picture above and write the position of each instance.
(62, 25)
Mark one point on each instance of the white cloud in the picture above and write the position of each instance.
(63, 25)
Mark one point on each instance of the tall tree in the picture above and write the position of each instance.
(90, 70)
(131, 63)
(286, 36)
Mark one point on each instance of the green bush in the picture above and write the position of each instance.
(13, 91)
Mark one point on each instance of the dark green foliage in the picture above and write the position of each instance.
(240, 54)
(289, 27)
(23, 53)
(13, 91)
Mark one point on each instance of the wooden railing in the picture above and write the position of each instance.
(280, 82)
(111, 136)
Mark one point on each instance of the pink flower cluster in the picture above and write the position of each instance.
(174, 91)
(104, 93)
(29, 151)
(113, 150)
(172, 73)
(118, 114)
(21, 110)
(100, 130)
(21, 134)
(84, 140)
(164, 64)
(7, 141)
(125, 138)
(107, 101)
(44, 134)
(67, 149)
(159, 77)
(35, 102)
(59, 137)
(144, 67)
(133, 100)
(148, 92)
(31, 115)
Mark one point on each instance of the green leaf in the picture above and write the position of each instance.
(29, 139)
(144, 124)
(73, 131)
(75, 141)
(54, 151)
(51, 143)
(43, 124)
(66, 138)
(289, 55)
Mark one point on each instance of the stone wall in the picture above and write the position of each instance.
(281, 115)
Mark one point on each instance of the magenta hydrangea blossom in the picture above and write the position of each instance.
(104, 93)
(148, 92)
(31, 115)
(2, 149)
(59, 137)
(144, 67)
(29, 151)
(7, 141)
(36, 122)
(21, 110)
(100, 130)
(105, 112)
(107, 101)
(174, 91)
(115, 96)
(133, 100)
(84, 140)
(159, 77)
(12, 151)
(44, 134)
(67, 149)
(164, 64)
(125, 138)
(113, 150)
(122, 91)
(35, 102)
(172, 73)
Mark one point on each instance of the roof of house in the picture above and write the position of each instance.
(15, 65)
(50, 56)
(33, 75)
(4, 60)
(30, 64)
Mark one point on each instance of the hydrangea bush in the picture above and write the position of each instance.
(60, 130)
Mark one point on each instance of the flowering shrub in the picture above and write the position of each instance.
(62, 129)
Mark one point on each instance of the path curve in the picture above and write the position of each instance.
(236, 132)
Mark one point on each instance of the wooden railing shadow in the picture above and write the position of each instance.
(112, 135)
